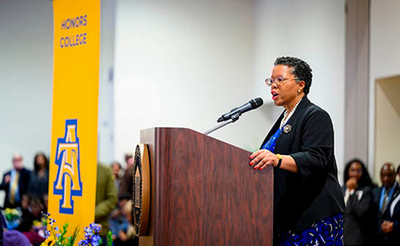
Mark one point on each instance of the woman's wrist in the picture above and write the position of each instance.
(280, 157)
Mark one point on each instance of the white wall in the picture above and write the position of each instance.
(384, 56)
(387, 122)
(184, 63)
(26, 50)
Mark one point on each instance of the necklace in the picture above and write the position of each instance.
(286, 115)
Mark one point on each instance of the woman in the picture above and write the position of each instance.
(361, 217)
(308, 201)
(39, 182)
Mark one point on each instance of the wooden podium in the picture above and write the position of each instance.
(203, 192)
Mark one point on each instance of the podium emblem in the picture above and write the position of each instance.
(141, 190)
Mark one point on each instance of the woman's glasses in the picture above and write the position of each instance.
(278, 81)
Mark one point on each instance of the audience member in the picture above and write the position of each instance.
(388, 194)
(106, 199)
(15, 183)
(2, 223)
(121, 226)
(15, 238)
(361, 216)
(126, 184)
(117, 174)
(39, 182)
(128, 160)
(31, 213)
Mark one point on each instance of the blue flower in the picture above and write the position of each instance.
(83, 243)
(92, 237)
(95, 240)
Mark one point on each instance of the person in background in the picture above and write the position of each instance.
(2, 222)
(388, 200)
(106, 199)
(121, 226)
(361, 216)
(15, 238)
(128, 160)
(39, 182)
(126, 182)
(15, 182)
(31, 214)
(308, 200)
(117, 174)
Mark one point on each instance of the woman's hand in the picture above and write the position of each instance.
(262, 158)
(351, 184)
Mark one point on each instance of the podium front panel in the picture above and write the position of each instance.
(205, 193)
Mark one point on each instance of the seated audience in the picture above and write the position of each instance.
(361, 216)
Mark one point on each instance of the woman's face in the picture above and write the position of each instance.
(40, 161)
(355, 171)
(285, 93)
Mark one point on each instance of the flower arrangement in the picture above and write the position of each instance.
(57, 237)
(12, 217)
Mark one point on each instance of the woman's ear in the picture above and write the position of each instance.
(301, 84)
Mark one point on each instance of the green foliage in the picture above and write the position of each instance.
(109, 238)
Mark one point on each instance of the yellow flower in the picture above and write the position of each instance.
(50, 241)
(37, 223)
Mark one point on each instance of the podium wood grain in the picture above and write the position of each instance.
(205, 193)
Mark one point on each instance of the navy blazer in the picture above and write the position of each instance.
(392, 213)
(313, 193)
(23, 183)
(361, 217)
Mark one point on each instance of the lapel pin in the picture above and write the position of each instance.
(287, 128)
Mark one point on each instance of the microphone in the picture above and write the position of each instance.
(236, 112)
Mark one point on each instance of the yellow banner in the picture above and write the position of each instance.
(73, 159)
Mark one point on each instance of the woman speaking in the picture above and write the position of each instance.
(308, 201)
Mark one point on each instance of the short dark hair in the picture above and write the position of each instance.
(365, 179)
(302, 70)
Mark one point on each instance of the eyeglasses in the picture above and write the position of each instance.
(278, 81)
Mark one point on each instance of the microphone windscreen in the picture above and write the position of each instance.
(256, 102)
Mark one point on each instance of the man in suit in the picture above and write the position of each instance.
(389, 193)
(15, 183)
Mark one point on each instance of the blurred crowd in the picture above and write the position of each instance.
(26, 201)
(372, 215)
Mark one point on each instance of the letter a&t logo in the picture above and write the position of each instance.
(68, 181)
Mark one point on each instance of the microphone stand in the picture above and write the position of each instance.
(234, 118)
